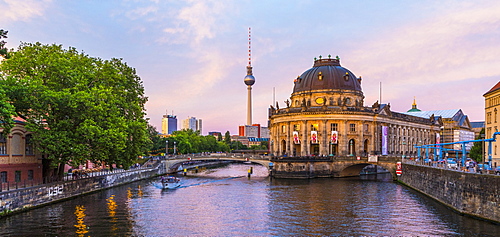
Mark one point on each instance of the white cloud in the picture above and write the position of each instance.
(450, 46)
(15, 10)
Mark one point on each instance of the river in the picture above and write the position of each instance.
(225, 202)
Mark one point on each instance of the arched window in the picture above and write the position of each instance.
(3, 144)
(352, 147)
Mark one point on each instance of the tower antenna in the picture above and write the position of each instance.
(249, 47)
(249, 80)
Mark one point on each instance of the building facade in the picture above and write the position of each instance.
(456, 127)
(325, 116)
(254, 130)
(193, 124)
(18, 161)
(168, 124)
(492, 123)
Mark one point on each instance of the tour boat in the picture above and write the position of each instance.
(170, 182)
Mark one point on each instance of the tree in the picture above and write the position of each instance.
(227, 137)
(219, 137)
(476, 152)
(3, 50)
(80, 108)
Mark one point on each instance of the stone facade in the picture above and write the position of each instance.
(492, 123)
(325, 116)
(468, 193)
(18, 160)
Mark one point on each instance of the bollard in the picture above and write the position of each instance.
(249, 172)
(196, 169)
(185, 172)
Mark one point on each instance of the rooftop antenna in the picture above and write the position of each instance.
(380, 93)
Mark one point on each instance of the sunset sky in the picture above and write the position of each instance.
(192, 55)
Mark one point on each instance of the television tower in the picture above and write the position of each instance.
(249, 80)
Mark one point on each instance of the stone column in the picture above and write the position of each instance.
(324, 140)
(304, 140)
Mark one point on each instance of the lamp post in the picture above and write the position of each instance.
(175, 148)
(166, 149)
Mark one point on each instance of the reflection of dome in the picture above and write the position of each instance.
(249, 80)
(327, 74)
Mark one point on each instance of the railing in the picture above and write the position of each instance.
(448, 166)
(7, 186)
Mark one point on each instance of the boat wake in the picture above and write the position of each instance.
(158, 185)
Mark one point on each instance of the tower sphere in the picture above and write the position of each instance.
(249, 80)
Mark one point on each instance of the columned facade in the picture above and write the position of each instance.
(325, 116)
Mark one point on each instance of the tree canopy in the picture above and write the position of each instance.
(79, 107)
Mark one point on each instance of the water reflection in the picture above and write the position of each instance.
(224, 202)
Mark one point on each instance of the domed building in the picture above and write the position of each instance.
(326, 116)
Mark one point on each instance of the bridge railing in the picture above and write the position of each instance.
(219, 155)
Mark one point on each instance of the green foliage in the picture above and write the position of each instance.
(3, 51)
(476, 152)
(227, 137)
(189, 141)
(79, 108)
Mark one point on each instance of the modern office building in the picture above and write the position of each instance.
(491, 110)
(193, 124)
(168, 124)
(254, 130)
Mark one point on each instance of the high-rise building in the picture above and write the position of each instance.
(168, 124)
(192, 123)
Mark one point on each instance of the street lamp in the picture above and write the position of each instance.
(175, 148)
(166, 149)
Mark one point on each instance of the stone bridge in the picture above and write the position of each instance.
(291, 167)
(178, 163)
(312, 167)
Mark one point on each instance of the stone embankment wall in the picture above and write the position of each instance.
(23, 199)
(477, 195)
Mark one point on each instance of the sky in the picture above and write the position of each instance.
(192, 55)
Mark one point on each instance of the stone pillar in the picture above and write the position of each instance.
(324, 140)
(304, 140)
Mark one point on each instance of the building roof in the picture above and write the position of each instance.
(453, 114)
(450, 113)
(494, 88)
(327, 74)
(477, 124)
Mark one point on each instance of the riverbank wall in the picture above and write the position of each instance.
(27, 198)
(472, 194)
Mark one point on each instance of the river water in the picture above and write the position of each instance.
(225, 202)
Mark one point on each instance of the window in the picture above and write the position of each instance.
(334, 127)
(352, 127)
(18, 176)
(314, 127)
(366, 128)
(3, 144)
(296, 127)
(29, 144)
(3, 176)
(30, 174)
(283, 129)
